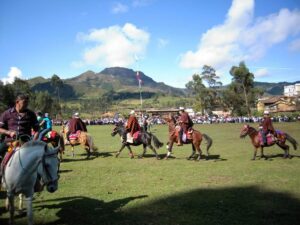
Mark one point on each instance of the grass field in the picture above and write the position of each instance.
(228, 188)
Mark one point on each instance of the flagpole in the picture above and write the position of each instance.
(139, 80)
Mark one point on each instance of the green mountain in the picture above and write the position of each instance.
(122, 82)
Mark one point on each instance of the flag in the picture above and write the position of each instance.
(138, 77)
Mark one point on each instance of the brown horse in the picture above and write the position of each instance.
(84, 139)
(195, 140)
(256, 141)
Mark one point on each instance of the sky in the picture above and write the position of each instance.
(168, 40)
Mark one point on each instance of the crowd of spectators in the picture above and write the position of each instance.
(156, 120)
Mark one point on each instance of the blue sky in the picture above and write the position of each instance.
(169, 40)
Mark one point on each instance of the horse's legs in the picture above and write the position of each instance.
(262, 153)
(169, 148)
(11, 207)
(193, 153)
(153, 149)
(20, 202)
(255, 152)
(72, 149)
(144, 151)
(29, 210)
(285, 148)
(119, 152)
(130, 152)
(199, 151)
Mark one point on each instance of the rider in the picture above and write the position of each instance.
(46, 125)
(267, 127)
(185, 123)
(132, 126)
(75, 124)
(17, 122)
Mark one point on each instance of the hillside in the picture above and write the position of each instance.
(120, 80)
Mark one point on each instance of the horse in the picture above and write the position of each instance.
(256, 141)
(55, 139)
(80, 138)
(144, 138)
(196, 138)
(22, 168)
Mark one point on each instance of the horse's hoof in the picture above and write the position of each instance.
(117, 155)
(158, 158)
(253, 159)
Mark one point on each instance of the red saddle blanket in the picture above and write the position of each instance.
(7, 157)
(74, 136)
(270, 139)
(136, 135)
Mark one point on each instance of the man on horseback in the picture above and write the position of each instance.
(18, 122)
(75, 124)
(185, 123)
(267, 127)
(132, 126)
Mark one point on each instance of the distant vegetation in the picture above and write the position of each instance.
(116, 89)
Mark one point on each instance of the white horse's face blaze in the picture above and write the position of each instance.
(244, 130)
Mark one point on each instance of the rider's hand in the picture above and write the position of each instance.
(11, 133)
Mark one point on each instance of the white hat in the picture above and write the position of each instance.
(181, 108)
(76, 114)
(132, 112)
(266, 112)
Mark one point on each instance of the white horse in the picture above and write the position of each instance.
(21, 172)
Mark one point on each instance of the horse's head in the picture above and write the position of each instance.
(245, 131)
(118, 129)
(50, 165)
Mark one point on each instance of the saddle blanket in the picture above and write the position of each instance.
(131, 139)
(74, 136)
(270, 139)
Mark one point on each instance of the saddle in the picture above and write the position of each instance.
(134, 138)
(186, 136)
(75, 136)
(12, 149)
(271, 139)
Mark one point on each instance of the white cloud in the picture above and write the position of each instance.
(261, 72)
(295, 45)
(114, 46)
(12, 74)
(119, 8)
(241, 37)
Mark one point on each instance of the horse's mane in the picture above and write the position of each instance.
(33, 143)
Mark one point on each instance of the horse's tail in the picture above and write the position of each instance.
(292, 140)
(156, 142)
(209, 141)
(91, 142)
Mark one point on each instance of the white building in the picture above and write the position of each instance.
(292, 90)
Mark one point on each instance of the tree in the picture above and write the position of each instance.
(57, 83)
(197, 88)
(209, 75)
(242, 89)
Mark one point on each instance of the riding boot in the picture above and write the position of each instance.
(179, 143)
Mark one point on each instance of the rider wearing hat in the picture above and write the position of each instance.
(267, 127)
(185, 123)
(132, 126)
(75, 124)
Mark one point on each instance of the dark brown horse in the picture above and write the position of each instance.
(256, 141)
(196, 138)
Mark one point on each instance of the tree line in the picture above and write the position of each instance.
(205, 94)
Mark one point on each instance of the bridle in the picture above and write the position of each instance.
(49, 177)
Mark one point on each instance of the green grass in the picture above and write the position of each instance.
(228, 189)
